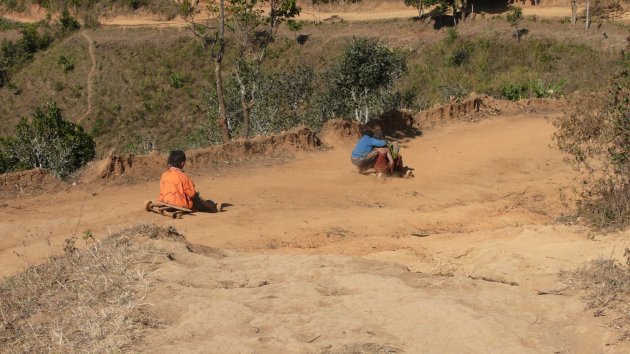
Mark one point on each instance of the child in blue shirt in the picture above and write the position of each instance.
(368, 148)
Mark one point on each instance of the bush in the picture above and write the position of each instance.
(514, 92)
(66, 64)
(68, 23)
(15, 54)
(50, 142)
(363, 81)
(178, 80)
(595, 132)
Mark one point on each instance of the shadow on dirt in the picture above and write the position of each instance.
(397, 124)
(441, 19)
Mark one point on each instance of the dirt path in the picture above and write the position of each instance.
(359, 13)
(351, 262)
(353, 13)
(90, 77)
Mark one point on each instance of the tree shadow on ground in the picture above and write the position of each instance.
(397, 124)
(441, 20)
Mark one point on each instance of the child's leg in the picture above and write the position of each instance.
(390, 160)
(206, 206)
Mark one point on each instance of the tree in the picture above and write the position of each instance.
(588, 14)
(514, 17)
(47, 141)
(255, 30)
(216, 46)
(360, 83)
(418, 4)
(573, 11)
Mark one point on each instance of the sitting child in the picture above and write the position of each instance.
(176, 188)
(368, 149)
(382, 165)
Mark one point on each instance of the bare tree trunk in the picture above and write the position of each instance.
(455, 14)
(573, 11)
(225, 130)
(465, 6)
(245, 106)
(245, 117)
(588, 13)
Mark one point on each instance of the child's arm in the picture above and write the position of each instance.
(390, 160)
(189, 187)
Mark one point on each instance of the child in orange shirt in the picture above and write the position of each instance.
(176, 188)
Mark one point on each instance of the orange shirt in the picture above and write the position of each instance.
(176, 188)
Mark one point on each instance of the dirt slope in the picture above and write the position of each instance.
(322, 259)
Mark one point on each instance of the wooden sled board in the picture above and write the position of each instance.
(166, 209)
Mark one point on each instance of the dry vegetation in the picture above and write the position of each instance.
(607, 286)
(88, 300)
(595, 133)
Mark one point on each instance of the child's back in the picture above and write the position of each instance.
(176, 188)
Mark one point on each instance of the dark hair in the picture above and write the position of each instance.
(378, 133)
(176, 158)
(367, 131)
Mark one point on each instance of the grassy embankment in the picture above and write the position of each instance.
(151, 85)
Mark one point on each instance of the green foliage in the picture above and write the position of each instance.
(178, 79)
(531, 89)
(514, 92)
(490, 65)
(363, 79)
(451, 35)
(48, 141)
(68, 23)
(414, 3)
(15, 54)
(514, 16)
(6, 24)
(294, 26)
(66, 64)
(283, 100)
(33, 41)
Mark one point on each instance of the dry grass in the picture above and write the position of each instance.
(88, 300)
(607, 286)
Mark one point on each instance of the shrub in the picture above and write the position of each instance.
(514, 92)
(68, 23)
(50, 142)
(15, 54)
(363, 80)
(6, 24)
(178, 80)
(595, 132)
(66, 64)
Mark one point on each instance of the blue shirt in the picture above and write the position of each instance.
(365, 145)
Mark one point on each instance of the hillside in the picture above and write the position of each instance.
(151, 87)
(489, 246)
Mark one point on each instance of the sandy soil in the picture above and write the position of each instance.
(322, 259)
